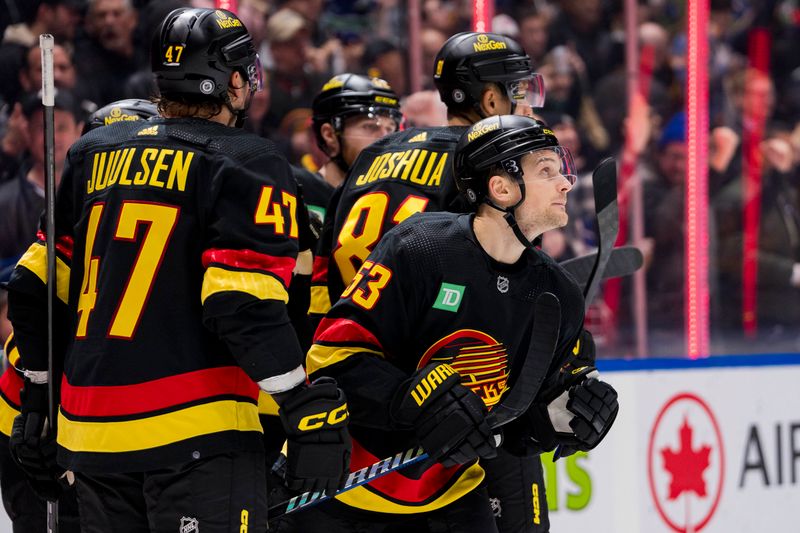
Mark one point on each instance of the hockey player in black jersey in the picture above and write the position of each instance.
(175, 239)
(428, 336)
(477, 75)
(350, 113)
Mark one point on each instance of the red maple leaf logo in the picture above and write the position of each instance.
(686, 465)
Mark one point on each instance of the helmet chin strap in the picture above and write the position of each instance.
(511, 220)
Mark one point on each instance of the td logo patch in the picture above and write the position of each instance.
(449, 298)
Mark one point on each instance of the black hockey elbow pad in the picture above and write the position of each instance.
(448, 418)
(315, 419)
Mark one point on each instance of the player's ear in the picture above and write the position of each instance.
(502, 190)
(331, 140)
(490, 100)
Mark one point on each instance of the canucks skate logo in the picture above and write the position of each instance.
(189, 525)
(480, 360)
(484, 44)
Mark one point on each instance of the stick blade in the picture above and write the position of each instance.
(623, 261)
(604, 182)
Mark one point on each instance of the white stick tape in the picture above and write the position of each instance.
(48, 91)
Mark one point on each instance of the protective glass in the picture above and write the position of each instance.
(527, 91)
(547, 164)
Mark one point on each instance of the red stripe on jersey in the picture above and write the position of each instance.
(63, 243)
(399, 487)
(319, 272)
(117, 400)
(248, 259)
(344, 330)
(11, 383)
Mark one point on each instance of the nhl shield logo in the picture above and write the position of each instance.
(189, 525)
(502, 284)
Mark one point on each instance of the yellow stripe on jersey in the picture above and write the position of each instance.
(262, 286)
(11, 351)
(361, 498)
(320, 300)
(7, 414)
(160, 430)
(266, 404)
(320, 356)
(35, 260)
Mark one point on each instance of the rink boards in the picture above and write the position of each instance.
(711, 445)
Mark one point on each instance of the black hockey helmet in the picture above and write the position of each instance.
(348, 95)
(469, 60)
(195, 52)
(500, 142)
(121, 110)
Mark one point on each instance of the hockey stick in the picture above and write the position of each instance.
(604, 183)
(623, 261)
(48, 101)
(544, 336)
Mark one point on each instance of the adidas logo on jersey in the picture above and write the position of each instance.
(152, 130)
(419, 137)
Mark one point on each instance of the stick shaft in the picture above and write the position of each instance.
(46, 43)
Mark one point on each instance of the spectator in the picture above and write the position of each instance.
(386, 61)
(22, 198)
(291, 82)
(110, 56)
(777, 303)
(57, 17)
(424, 109)
(534, 33)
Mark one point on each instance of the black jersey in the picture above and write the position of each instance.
(11, 383)
(401, 174)
(316, 191)
(427, 293)
(176, 240)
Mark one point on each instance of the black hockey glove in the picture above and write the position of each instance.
(315, 419)
(32, 447)
(448, 418)
(578, 419)
(579, 362)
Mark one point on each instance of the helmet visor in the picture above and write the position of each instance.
(547, 164)
(255, 75)
(528, 91)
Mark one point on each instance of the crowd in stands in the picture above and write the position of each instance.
(579, 48)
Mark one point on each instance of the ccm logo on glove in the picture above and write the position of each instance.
(311, 422)
(429, 383)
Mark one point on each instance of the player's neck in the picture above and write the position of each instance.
(496, 237)
(332, 174)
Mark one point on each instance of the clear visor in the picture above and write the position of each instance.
(255, 75)
(374, 122)
(527, 91)
(547, 164)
